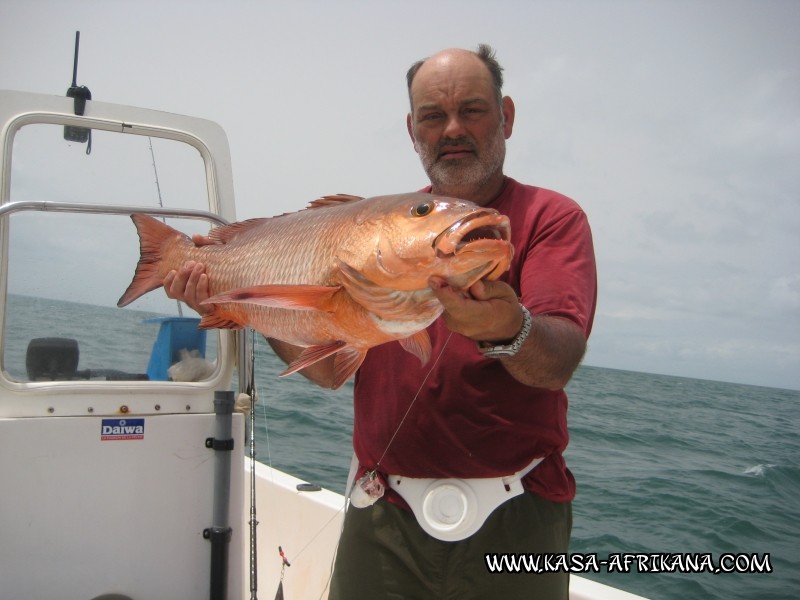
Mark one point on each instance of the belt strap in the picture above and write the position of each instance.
(453, 509)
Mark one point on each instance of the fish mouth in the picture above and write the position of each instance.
(477, 232)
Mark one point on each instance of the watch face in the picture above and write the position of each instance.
(513, 348)
(498, 351)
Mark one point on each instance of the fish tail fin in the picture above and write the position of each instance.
(152, 236)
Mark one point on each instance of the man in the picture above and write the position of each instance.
(492, 404)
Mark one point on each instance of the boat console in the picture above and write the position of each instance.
(113, 464)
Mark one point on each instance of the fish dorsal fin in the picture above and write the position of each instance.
(419, 345)
(223, 234)
(334, 200)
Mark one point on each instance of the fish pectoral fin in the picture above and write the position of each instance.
(419, 345)
(386, 303)
(297, 297)
(311, 355)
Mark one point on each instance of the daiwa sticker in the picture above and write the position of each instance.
(122, 429)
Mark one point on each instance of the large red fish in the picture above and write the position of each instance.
(340, 277)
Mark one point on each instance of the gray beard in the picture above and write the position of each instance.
(473, 171)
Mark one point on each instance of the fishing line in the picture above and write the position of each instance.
(410, 406)
(386, 450)
(354, 467)
(263, 411)
(258, 344)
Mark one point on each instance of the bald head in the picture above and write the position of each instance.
(482, 59)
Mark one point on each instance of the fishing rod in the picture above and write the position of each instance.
(253, 393)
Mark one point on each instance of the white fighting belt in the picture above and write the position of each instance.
(455, 509)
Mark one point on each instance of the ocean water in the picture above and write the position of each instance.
(664, 465)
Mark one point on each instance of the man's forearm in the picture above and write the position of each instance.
(551, 353)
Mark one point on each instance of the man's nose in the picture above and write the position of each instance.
(454, 127)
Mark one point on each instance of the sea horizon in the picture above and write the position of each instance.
(190, 313)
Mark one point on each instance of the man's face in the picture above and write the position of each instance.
(456, 124)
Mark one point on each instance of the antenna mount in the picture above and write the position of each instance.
(80, 94)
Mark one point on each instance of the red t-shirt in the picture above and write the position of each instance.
(471, 418)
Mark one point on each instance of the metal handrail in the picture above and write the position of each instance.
(122, 209)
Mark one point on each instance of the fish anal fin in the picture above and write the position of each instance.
(297, 297)
(418, 344)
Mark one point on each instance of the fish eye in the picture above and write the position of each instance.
(422, 210)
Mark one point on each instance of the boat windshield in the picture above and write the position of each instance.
(66, 270)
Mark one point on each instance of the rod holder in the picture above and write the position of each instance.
(220, 532)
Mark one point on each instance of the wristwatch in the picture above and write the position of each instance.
(512, 348)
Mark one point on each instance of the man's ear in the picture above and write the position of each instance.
(508, 116)
(410, 128)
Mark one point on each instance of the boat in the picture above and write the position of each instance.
(123, 480)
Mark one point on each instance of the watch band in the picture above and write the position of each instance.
(512, 348)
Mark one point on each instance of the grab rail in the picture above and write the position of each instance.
(122, 209)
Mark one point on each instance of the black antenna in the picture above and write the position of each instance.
(80, 94)
(75, 64)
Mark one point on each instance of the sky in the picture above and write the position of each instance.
(674, 124)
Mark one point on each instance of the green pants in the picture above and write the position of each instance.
(384, 554)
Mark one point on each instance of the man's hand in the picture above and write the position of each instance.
(488, 311)
(190, 285)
